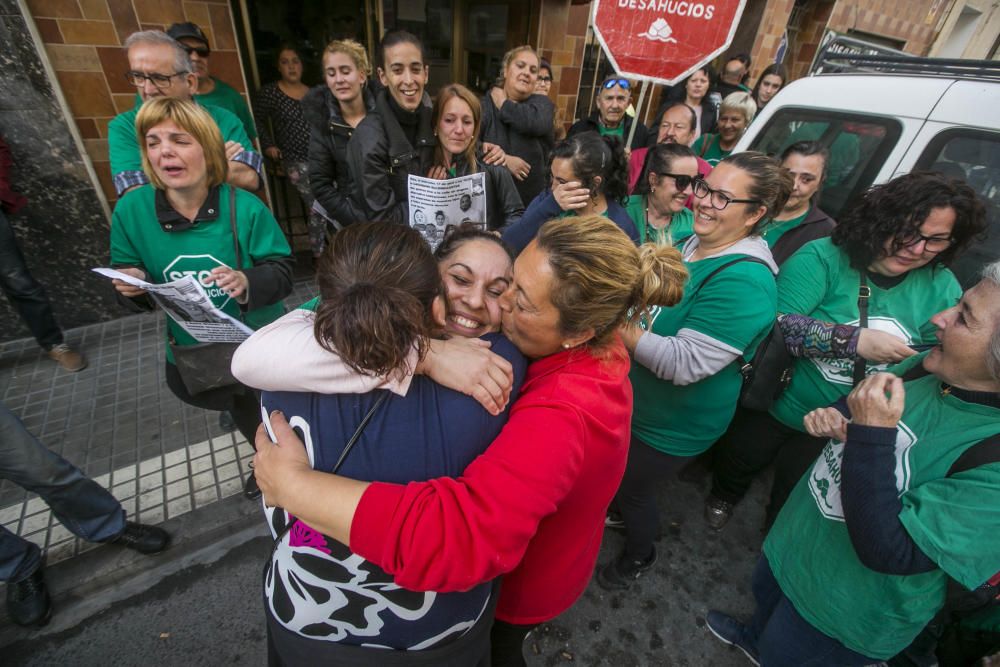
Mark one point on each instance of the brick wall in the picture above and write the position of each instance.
(83, 39)
(563, 35)
(914, 23)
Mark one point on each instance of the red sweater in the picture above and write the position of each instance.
(532, 506)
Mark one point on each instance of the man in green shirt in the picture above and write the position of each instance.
(211, 91)
(610, 118)
(859, 558)
(158, 67)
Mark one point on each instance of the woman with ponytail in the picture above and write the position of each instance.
(685, 372)
(588, 174)
(531, 507)
(382, 302)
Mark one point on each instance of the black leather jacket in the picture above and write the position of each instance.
(329, 177)
(381, 159)
(523, 129)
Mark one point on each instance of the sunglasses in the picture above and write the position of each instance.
(682, 180)
(202, 51)
(611, 83)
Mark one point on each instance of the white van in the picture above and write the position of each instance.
(918, 114)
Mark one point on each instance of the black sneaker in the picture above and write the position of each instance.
(718, 512)
(613, 519)
(145, 539)
(251, 491)
(226, 421)
(28, 601)
(621, 572)
(730, 631)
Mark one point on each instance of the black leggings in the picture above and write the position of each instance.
(755, 440)
(507, 644)
(646, 471)
(242, 402)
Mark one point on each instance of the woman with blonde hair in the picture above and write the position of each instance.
(531, 507)
(333, 110)
(189, 221)
(520, 120)
(457, 121)
(735, 114)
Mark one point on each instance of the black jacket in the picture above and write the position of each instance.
(817, 225)
(592, 125)
(524, 130)
(329, 177)
(381, 158)
(503, 204)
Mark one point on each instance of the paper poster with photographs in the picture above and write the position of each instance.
(436, 206)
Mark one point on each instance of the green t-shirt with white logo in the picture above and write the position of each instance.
(681, 225)
(137, 239)
(818, 281)
(953, 520)
(123, 144)
(736, 307)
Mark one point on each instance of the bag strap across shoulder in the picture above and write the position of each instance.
(980, 454)
(864, 293)
(232, 225)
(740, 359)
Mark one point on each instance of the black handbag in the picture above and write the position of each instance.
(769, 373)
(207, 366)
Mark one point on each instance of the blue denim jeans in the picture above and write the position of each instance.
(78, 502)
(26, 294)
(783, 638)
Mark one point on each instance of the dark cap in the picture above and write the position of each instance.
(181, 30)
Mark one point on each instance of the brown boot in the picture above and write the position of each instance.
(68, 358)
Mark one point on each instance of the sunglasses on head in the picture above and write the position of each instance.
(202, 51)
(611, 83)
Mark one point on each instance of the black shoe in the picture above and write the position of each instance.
(718, 512)
(226, 421)
(250, 488)
(730, 631)
(613, 520)
(28, 601)
(621, 572)
(145, 539)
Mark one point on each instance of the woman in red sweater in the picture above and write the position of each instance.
(532, 506)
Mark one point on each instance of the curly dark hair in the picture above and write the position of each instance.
(593, 155)
(892, 213)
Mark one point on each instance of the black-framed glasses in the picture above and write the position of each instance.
(931, 243)
(682, 180)
(718, 200)
(612, 82)
(202, 51)
(161, 81)
(545, 79)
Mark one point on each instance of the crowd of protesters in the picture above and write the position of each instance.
(472, 414)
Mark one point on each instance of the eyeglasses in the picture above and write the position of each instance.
(611, 83)
(202, 51)
(161, 81)
(682, 180)
(719, 200)
(931, 243)
(545, 79)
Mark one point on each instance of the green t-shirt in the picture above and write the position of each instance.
(123, 144)
(953, 521)
(137, 239)
(225, 97)
(713, 153)
(818, 281)
(680, 228)
(612, 131)
(776, 228)
(736, 307)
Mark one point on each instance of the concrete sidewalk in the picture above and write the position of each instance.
(119, 423)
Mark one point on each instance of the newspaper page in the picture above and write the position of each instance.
(187, 304)
(437, 205)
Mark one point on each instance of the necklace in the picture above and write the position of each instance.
(661, 234)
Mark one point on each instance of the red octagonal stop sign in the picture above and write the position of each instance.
(664, 40)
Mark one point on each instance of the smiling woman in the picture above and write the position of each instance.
(190, 221)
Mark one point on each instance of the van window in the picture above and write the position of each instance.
(974, 156)
(858, 145)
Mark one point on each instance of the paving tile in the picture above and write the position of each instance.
(178, 506)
